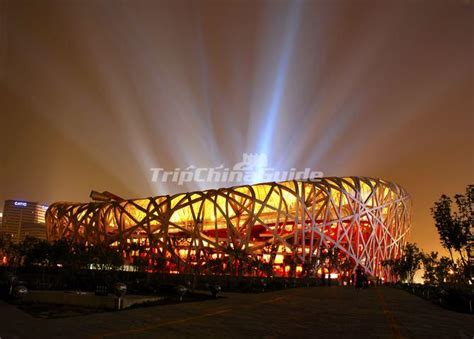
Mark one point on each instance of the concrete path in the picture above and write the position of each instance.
(331, 312)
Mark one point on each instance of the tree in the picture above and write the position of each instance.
(454, 226)
(438, 271)
(104, 257)
(68, 254)
(346, 268)
(408, 264)
(34, 251)
(290, 261)
(330, 260)
(8, 250)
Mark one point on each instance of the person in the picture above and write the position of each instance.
(365, 280)
(359, 277)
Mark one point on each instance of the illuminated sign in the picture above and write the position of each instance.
(20, 203)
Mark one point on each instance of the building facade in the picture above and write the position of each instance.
(291, 228)
(23, 218)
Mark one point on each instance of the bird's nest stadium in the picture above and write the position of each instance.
(293, 228)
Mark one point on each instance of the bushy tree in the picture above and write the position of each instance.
(104, 257)
(454, 225)
(439, 271)
(35, 252)
(8, 249)
(408, 264)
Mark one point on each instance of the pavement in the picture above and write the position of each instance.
(330, 312)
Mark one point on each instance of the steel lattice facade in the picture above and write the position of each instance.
(282, 225)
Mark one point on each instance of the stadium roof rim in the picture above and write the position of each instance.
(210, 190)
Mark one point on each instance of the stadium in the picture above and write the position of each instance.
(295, 228)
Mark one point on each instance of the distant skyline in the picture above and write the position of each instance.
(94, 94)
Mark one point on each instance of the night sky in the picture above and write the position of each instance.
(95, 93)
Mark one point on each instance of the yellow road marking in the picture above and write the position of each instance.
(271, 300)
(389, 316)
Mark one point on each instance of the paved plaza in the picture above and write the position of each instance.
(325, 312)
